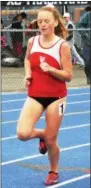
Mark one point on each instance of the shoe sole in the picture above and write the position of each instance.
(51, 183)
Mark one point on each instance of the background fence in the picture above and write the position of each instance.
(13, 49)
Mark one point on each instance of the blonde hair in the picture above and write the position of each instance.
(60, 29)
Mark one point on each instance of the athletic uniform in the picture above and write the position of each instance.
(44, 87)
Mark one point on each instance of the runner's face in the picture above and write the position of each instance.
(46, 22)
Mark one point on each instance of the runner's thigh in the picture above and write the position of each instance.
(54, 115)
(30, 113)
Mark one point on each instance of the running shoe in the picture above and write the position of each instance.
(42, 146)
(52, 178)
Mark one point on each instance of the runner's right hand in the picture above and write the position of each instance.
(27, 81)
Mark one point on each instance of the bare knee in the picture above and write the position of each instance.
(50, 141)
(23, 133)
(24, 136)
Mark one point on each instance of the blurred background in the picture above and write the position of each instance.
(18, 24)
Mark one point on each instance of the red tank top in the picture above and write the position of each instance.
(44, 84)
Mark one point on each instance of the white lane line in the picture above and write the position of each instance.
(10, 122)
(77, 102)
(75, 127)
(40, 155)
(61, 129)
(70, 181)
(13, 110)
(69, 95)
(78, 113)
(9, 138)
(13, 93)
(64, 128)
(14, 100)
(78, 94)
(43, 117)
